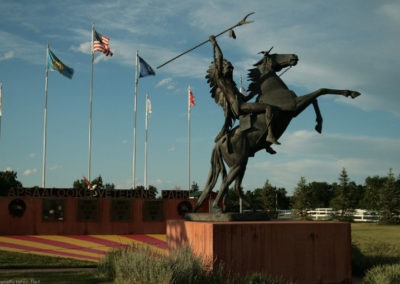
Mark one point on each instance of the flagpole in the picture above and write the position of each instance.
(1, 98)
(188, 137)
(134, 120)
(90, 107)
(45, 121)
(146, 141)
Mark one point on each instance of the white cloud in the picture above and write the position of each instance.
(29, 172)
(392, 11)
(7, 55)
(322, 158)
(164, 82)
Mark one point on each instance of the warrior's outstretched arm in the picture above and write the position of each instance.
(218, 56)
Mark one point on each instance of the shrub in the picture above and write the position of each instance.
(373, 254)
(383, 274)
(135, 264)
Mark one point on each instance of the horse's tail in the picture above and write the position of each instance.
(217, 167)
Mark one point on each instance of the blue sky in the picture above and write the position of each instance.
(341, 44)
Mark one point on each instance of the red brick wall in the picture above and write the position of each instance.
(31, 222)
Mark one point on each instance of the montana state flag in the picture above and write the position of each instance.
(145, 68)
(55, 64)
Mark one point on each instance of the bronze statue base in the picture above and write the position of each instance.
(227, 217)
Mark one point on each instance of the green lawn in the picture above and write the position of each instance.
(54, 277)
(371, 232)
(14, 260)
(377, 239)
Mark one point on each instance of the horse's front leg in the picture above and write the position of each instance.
(346, 93)
(318, 126)
(302, 102)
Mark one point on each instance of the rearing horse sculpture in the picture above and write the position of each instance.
(235, 148)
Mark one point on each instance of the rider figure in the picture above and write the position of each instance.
(237, 102)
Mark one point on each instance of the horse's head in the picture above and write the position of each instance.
(275, 62)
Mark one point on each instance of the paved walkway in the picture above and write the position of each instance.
(84, 247)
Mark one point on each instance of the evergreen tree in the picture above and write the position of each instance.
(8, 180)
(302, 198)
(268, 197)
(321, 194)
(194, 189)
(371, 196)
(231, 201)
(390, 200)
(342, 199)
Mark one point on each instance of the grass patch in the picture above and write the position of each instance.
(374, 245)
(365, 233)
(15, 260)
(54, 277)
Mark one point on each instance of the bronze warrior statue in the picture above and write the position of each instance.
(234, 103)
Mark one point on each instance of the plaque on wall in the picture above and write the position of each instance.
(53, 209)
(153, 210)
(88, 210)
(121, 210)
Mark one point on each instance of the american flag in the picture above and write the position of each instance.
(191, 98)
(101, 44)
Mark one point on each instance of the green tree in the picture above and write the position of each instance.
(194, 190)
(266, 198)
(390, 200)
(321, 194)
(373, 187)
(153, 190)
(302, 198)
(231, 201)
(283, 201)
(8, 180)
(341, 202)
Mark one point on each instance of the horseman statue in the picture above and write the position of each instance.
(261, 123)
(235, 104)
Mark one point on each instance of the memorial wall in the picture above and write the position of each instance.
(30, 211)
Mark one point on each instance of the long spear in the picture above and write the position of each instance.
(240, 23)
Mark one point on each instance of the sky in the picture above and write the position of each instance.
(340, 44)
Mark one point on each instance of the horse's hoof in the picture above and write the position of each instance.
(354, 94)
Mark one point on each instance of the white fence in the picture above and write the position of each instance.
(325, 214)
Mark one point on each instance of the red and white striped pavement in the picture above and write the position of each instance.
(84, 247)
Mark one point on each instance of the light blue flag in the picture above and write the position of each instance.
(55, 64)
(145, 68)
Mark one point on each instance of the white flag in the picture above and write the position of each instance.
(1, 90)
(148, 105)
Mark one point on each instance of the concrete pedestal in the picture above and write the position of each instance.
(303, 252)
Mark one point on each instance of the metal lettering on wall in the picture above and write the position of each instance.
(153, 210)
(121, 210)
(80, 193)
(53, 210)
(88, 210)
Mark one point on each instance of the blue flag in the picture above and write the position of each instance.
(55, 64)
(145, 68)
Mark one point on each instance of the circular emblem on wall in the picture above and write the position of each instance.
(184, 207)
(16, 207)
